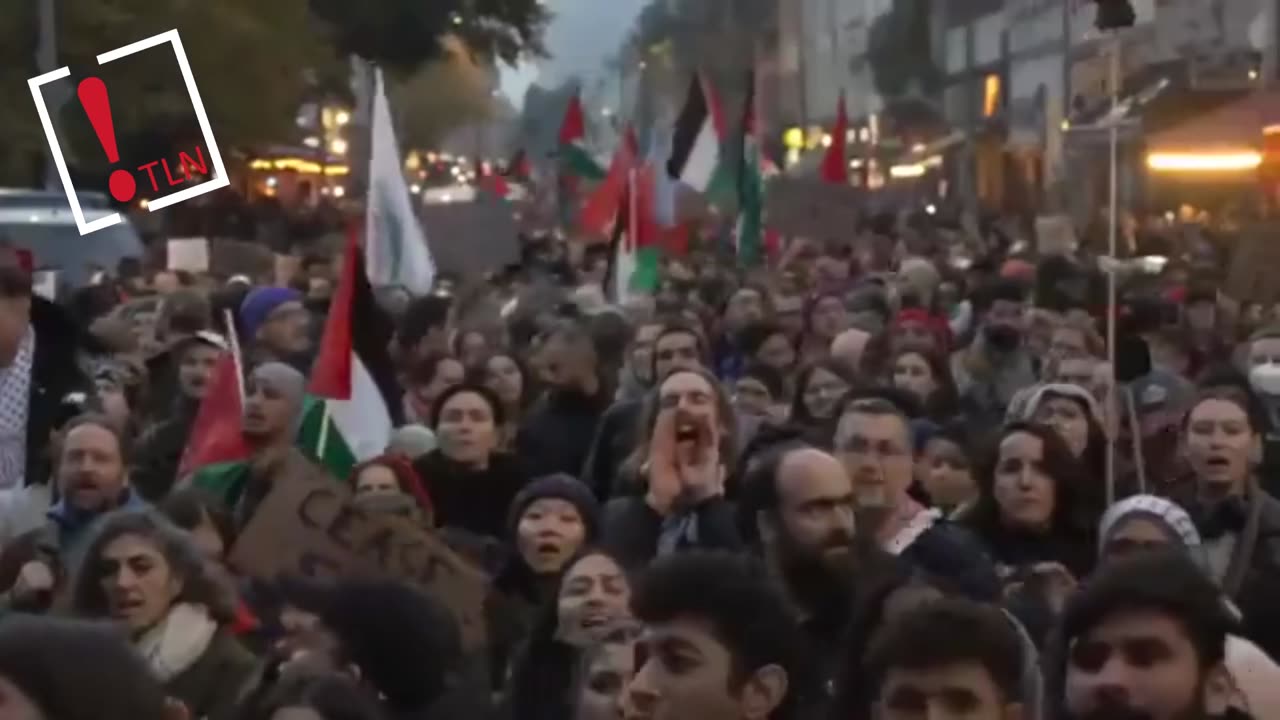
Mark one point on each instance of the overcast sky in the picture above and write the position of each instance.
(583, 35)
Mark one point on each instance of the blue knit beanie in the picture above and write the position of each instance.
(561, 487)
(260, 303)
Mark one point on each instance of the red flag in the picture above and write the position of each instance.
(496, 183)
(331, 374)
(215, 436)
(835, 168)
(574, 126)
(603, 205)
(518, 166)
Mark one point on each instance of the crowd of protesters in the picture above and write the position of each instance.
(865, 482)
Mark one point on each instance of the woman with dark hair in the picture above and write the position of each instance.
(591, 601)
(1028, 517)
(71, 670)
(1073, 413)
(767, 344)
(470, 480)
(825, 317)
(507, 377)
(549, 522)
(469, 346)
(1026, 513)
(147, 575)
(927, 376)
(815, 406)
(426, 380)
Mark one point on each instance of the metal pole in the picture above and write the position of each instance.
(55, 96)
(1112, 230)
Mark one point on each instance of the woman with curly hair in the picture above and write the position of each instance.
(147, 575)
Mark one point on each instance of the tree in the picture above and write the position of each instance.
(404, 34)
(900, 50)
(439, 97)
(252, 61)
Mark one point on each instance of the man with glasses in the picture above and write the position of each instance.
(277, 326)
(874, 444)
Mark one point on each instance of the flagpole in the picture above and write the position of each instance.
(323, 443)
(633, 222)
(633, 230)
(233, 340)
(1112, 230)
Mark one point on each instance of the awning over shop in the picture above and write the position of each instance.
(1237, 125)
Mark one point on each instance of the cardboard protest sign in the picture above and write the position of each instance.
(471, 238)
(809, 207)
(191, 254)
(311, 529)
(1055, 235)
(234, 257)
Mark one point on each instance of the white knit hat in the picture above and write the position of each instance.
(1167, 512)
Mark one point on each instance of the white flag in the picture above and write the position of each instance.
(395, 248)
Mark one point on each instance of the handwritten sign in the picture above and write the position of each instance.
(311, 529)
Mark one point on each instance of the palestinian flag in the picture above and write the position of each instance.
(604, 203)
(575, 159)
(518, 167)
(695, 148)
(356, 404)
(496, 184)
(216, 457)
(215, 437)
(499, 182)
(644, 226)
(750, 226)
(835, 165)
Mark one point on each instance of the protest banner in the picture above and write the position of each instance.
(471, 238)
(809, 207)
(311, 529)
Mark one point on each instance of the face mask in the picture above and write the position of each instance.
(1002, 337)
(1265, 379)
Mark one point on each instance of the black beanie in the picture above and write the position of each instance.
(561, 487)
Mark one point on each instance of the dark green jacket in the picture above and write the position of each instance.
(212, 687)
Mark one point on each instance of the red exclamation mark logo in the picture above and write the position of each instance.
(93, 96)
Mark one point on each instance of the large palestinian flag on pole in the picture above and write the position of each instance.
(355, 404)
(602, 206)
(750, 227)
(575, 159)
(396, 250)
(696, 143)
